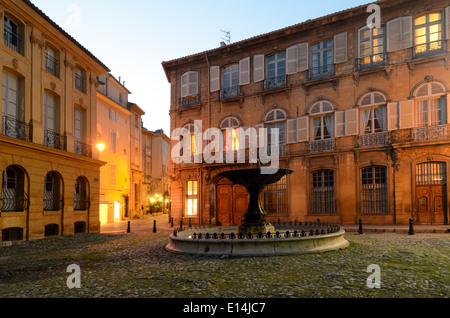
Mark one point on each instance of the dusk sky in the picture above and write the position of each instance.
(133, 38)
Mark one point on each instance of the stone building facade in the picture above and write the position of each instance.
(49, 165)
(362, 115)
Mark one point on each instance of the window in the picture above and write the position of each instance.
(431, 173)
(431, 105)
(80, 148)
(428, 33)
(189, 141)
(113, 141)
(192, 198)
(81, 198)
(323, 192)
(51, 61)
(12, 35)
(52, 193)
(371, 46)
(230, 134)
(374, 113)
(13, 196)
(113, 115)
(230, 81)
(322, 59)
(80, 79)
(374, 190)
(276, 119)
(275, 198)
(189, 89)
(276, 71)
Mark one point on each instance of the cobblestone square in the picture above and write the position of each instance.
(136, 265)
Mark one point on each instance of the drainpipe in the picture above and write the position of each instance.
(209, 126)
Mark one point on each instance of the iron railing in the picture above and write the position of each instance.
(81, 204)
(427, 133)
(320, 72)
(230, 92)
(190, 101)
(83, 149)
(11, 127)
(372, 64)
(275, 82)
(373, 140)
(53, 201)
(12, 202)
(323, 200)
(55, 140)
(322, 145)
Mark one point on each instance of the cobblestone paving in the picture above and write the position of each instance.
(137, 265)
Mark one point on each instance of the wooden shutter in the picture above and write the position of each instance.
(407, 32)
(50, 112)
(303, 57)
(193, 83)
(447, 21)
(340, 48)
(406, 114)
(351, 122)
(291, 59)
(339, 118)
(258, 61)
(292, 131)
(303, 129)
(244, 71)
(78, 125)
(394, 35)
(392, 116)
(448, 108)
(214, 74)
(185, 85)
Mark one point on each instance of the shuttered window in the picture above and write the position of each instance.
(189, 84)
(399, 34)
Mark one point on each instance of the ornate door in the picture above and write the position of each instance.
(431, 204)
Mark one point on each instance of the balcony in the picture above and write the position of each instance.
(11, 202)
(373, 140)
(190, 101)
(316, 146)
(82, 149)
(11, 127)
(275, 82)
(55, 140)
(230, 92)
(426, 133)
(321, 72)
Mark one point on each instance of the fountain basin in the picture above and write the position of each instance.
(185, 243)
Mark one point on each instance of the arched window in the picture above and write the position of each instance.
(53, 200)
(51, 230)
(322, 116)
(230, 132)
(276, 119)
(373, 110)
(81, 198)
(431, 105)
(14, 197)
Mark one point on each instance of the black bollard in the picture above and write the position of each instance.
(411, 228)
(129, 227)
(154, 226)
(360, 231)
(181, 225)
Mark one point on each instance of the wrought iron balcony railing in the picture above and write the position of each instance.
(426, 133)
(190, 101)
(322, 145)
(275, 82)
(320, 72)
(373, 61)
(55, 140)
(373, 140)
(11, 202)
(11, 127)
(53, 201)
(230, 92)
(83, 149)
(81, 204)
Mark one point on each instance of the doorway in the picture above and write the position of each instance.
(232, 203)
(431, 193)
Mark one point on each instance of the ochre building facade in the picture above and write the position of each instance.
(48, 160)
(362, 112)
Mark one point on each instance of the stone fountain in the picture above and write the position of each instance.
(256, 236)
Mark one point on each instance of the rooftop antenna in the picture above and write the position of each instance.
(227, 37)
